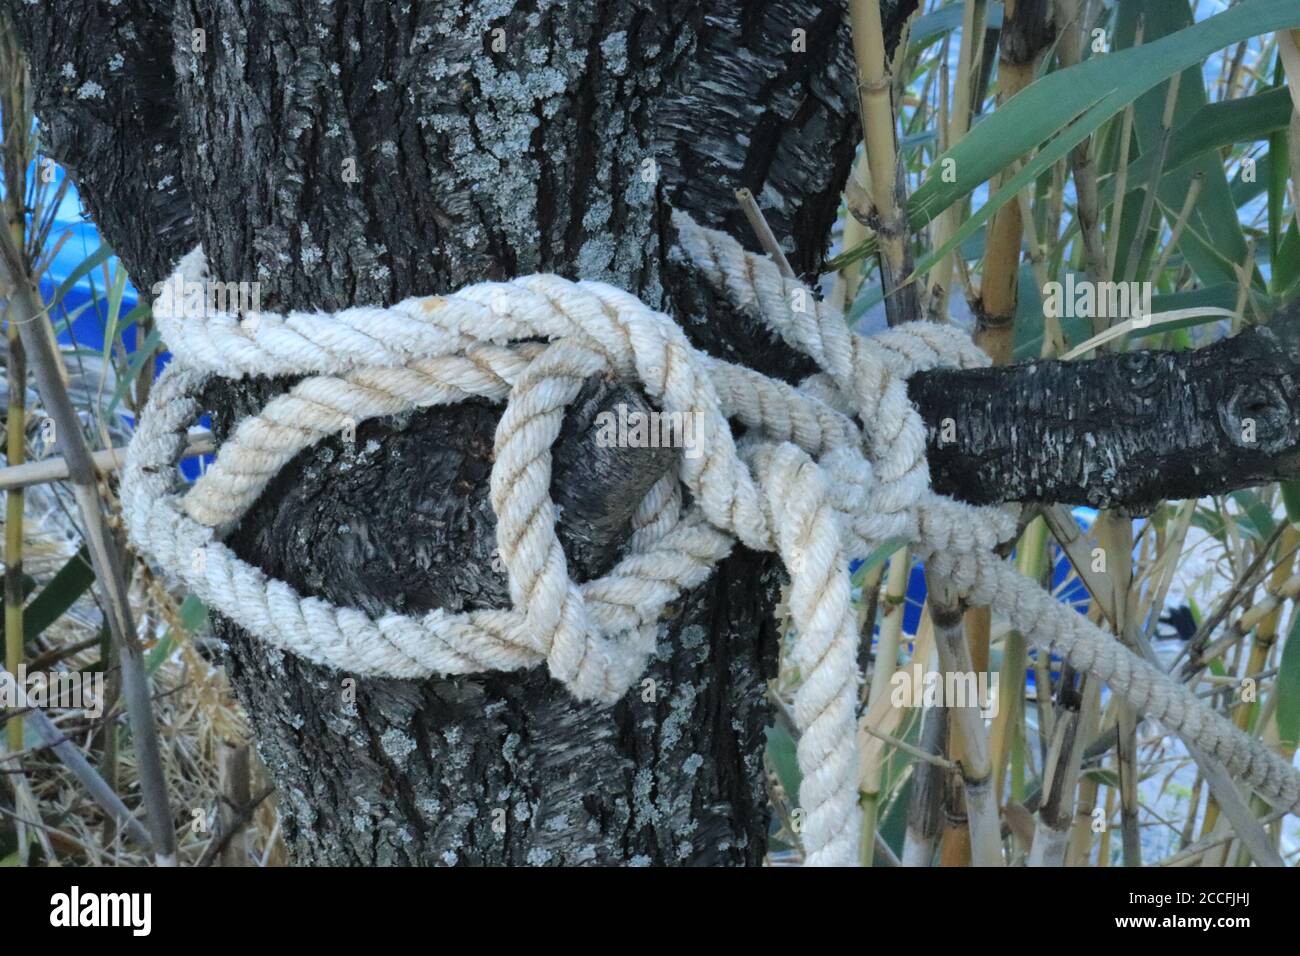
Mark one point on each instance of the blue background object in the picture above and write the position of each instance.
(86, 298)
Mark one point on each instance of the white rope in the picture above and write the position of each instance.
(806, 482)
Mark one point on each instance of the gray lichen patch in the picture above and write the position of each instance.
(339, 172)
(396, 744)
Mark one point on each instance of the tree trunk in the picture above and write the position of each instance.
(351, 152)
(364, 152)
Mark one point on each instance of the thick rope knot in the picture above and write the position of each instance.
(829, 469)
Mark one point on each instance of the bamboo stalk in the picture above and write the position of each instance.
(967, 726)
(1070, 51)
(766, 237)
(857, 204)
(34, 328)
(1121, 182)
(16, 371)
(1153, 184)
(877, 117)
(1121, 176)
(874, 92)
(99, 791)
(1115, 535)
(17, 154)
(1052, 829)
(1007, 725)
(13, 584)
(884, 717)
(891, 633)
(1081, 828)
(955, 838)
(106, 461)
(956, 846)
(1288, 48)
(1189, 825)
(928, 782)
(952, 131)
(1024, 38)
(1244, 274)
(1103, 848)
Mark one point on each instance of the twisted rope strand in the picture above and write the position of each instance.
(806, 482)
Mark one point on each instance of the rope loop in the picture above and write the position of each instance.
(830, 469)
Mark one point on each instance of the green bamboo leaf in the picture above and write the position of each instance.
(893, 828)
(115, 293)
(1279, 166)
(876, 557)
(63, 591)
(1286, 266)
(1211, 522)
(141, 311)
(1243, 191)
(1029, 319)
(932, 26)
(1220, 296)
(1108, 778)
(96, 258)
(869, 296)
(1209, 129)
(1085, 96)
(194, 613)
(1212, 243)
(1257, 518)
(781, 751)
(849, 256)
(194, 616)
(1291, 499)
(159, 654)
(1279, 154)
(1288, 688)
(143, 355)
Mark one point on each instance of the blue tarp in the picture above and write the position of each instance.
(82, 242)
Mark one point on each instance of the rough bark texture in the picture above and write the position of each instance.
(105, 95)
(361, 151)
(1120, 431)
(358, 151)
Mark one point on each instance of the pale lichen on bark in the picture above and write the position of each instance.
(472, 164)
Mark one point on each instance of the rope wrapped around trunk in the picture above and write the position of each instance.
(829, 469)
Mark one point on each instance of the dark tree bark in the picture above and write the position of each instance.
(366, 151)
(473, 162)
(1123, 430)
